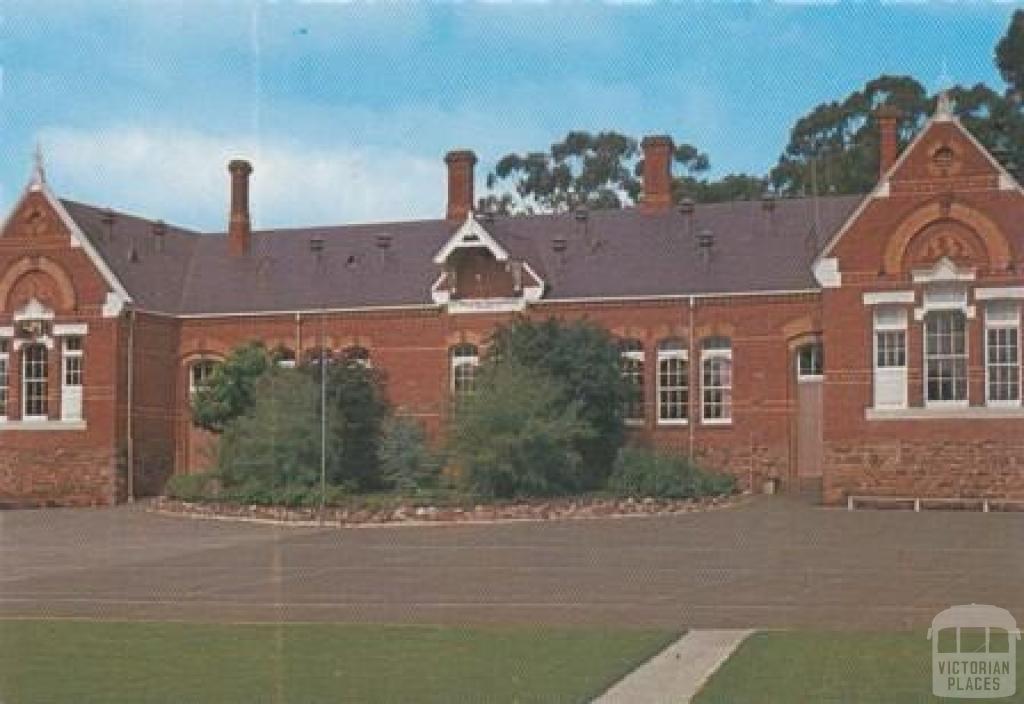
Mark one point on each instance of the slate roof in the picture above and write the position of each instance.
(608, 254)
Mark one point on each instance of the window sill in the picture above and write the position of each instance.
(634, 422)
(42, 425)
(717, 422)
(947, 412)
(672, 423)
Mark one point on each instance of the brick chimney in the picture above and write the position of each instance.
(657, 176)
(239, 224)
(460, 183)
(888, 117)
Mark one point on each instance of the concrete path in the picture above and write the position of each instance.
(677, 673)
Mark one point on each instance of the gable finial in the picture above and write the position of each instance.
(38, 167)
(943, 106)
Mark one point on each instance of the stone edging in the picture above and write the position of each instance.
(559, 509)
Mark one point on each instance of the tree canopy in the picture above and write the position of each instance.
(832, 149)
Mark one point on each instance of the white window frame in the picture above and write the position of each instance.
(673, 351)
(357, 354)
(633, 366)
(946, 403)
(995, 323)
(716, 354)
(889, 321)
(5, 376)
(207, 363)
(26, 380)
(71, 378)
(802, 376)
(462, 358)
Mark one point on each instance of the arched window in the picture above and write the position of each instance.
(716, 376)
(283, 357)
(200, 373)
(312, 357)
(465, 359)
(632, 364)
(810, 361)
(357, 355)
(673, 382)
(35, 385)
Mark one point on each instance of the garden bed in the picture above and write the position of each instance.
(412, 513)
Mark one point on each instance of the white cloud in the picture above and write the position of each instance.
(181, 176)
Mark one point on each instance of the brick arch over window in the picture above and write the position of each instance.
(48, 270)
(800, 330)
(997, 247)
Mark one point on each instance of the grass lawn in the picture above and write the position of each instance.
(87, 661)
(788, 667)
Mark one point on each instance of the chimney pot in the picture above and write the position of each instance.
(657, 176)
(239, 223)
(888, 117)
(460, 183)
(686, 206)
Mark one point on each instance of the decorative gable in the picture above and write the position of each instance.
(39, 221)
(933, 203)
(480, 275)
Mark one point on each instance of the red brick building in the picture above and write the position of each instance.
(868, 344)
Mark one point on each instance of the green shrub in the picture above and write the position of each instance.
(230, 391)
(640, 472)
(585, 360)
(407, 464)
(276, 444)
(192, 487)
(355, 393)
(516, 436)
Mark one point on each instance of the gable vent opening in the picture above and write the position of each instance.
(384, 241)
(705, 244)
(159, 230)
(108, 217)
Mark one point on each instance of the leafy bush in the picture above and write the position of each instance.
(585, 360)
(231, 388)
(516, 436)
(276, 444)
(355, 393)
(193, 487)
(407, 465)
(641, 472)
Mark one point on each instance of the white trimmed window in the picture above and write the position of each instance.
(716, 378)
(465, 359)
(810, 361)
(673, 383)
(200, 373)
(71, 379)
(632, 364)
(945, 357)
(5, 361)
(890, 358)
(35, 384)
(357, 355)
(1002, 353)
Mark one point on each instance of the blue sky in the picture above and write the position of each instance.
(346, 109)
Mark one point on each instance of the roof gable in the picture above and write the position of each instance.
(942, 156)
